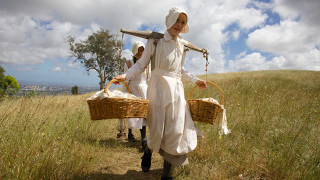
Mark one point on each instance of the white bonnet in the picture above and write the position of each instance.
(172, 17)
(135, 47)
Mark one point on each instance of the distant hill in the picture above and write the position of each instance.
(53, 88)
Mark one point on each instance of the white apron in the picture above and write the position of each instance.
(170, 124)
(138, 87)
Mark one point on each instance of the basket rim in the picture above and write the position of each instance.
(114, 81)
(108, 98)
(213, 84)
(203, 101)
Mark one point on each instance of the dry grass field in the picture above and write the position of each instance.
(274, 117)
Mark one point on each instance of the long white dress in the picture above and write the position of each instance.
(138, 87)
(170, 124)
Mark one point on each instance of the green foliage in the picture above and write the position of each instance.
(2, 76)
(8, 84)
(32, 93)
(75, 90)
(99, 52)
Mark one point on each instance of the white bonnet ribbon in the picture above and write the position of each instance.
(223, 123)
(179, 45)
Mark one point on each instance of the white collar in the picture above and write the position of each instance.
(167, 36)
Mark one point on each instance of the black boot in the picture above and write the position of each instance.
(143, 137)
(146, 160)
(167, 178)
(131, 136)
(144, 144)
(166, 171)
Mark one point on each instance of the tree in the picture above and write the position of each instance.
(2, 71)
(99, 53)
(75, 90)
(10, 85)
(32, 93)
(2, 76)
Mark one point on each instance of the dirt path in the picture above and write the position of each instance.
(122, 161)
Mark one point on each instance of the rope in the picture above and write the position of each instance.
(120, 52)
(205, 55)
(117, 40)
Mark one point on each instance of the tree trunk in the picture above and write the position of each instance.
(101, 84)
(101, 81)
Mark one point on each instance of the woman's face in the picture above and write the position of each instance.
(140, 51)
(179, 25)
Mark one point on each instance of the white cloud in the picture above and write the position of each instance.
(209, 21)
(289, 36)
(27, 41)
(236, 35)
(295, 40)
(196, 65)
(33, 32)
(25, 69)
(309, 60)
(252, 61)
(63, 21)
(56, 69)
(72, 64)
(241, 55)
(127, 54)
(307, 11)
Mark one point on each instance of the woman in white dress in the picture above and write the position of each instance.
(172, 131)
(138, 87)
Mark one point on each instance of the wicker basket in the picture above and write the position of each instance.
(205, 111)
(112, 108)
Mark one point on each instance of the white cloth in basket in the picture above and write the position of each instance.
(113, 94)
(223, 118)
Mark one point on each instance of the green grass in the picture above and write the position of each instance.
(274, 117)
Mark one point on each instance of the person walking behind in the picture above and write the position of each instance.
(138, 86)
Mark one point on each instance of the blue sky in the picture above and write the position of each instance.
(243, 35)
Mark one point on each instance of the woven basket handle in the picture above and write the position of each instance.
(208, 82)
(114, 81)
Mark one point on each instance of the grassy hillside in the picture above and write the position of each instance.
(274, 117)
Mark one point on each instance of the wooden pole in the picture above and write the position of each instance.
(156, 35)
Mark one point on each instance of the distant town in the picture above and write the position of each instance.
(47, 88)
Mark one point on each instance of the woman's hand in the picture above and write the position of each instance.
(120, 77)
(202, 84)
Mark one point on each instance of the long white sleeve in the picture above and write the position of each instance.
(126, 69)
(187, 76)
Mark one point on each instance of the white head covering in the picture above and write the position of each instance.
(172, 17)
(135, 47)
